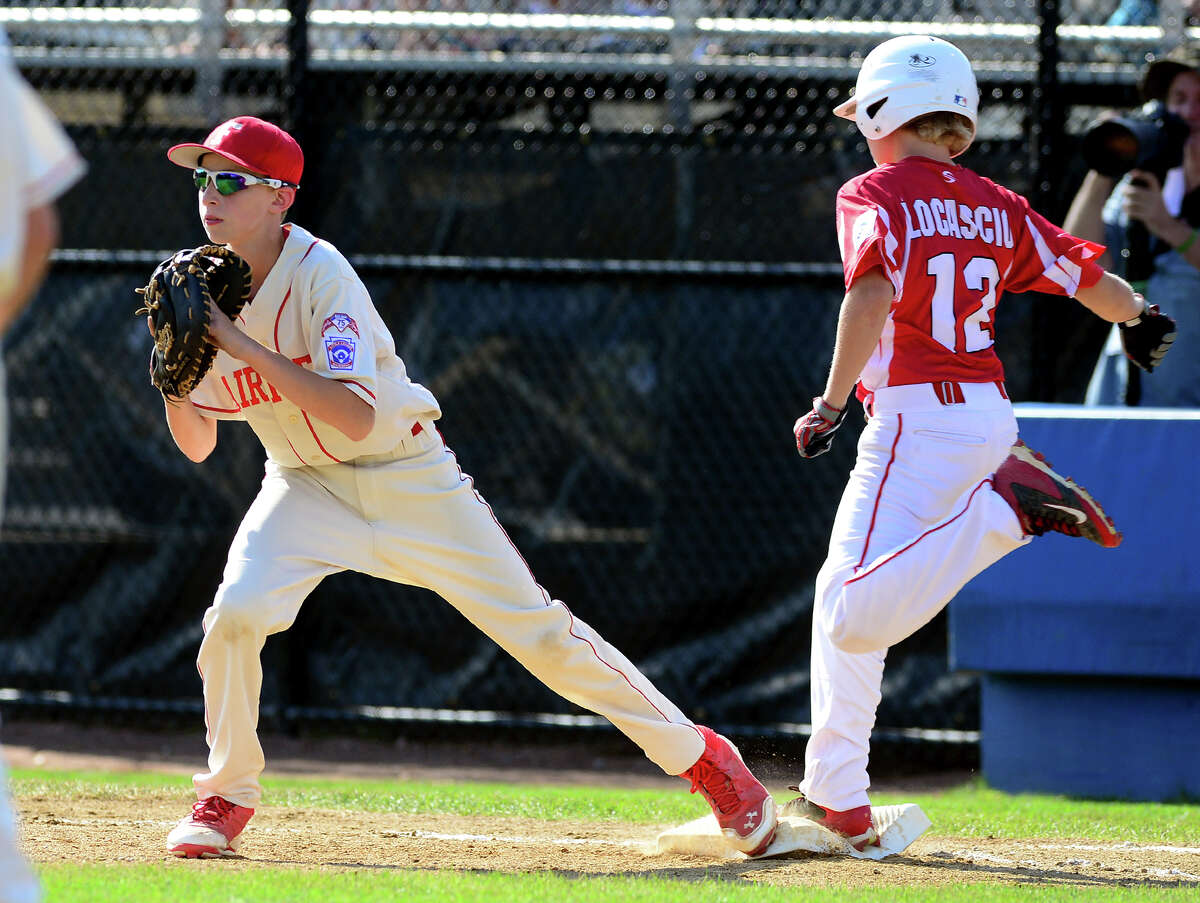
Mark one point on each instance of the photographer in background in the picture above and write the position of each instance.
(1151, 224)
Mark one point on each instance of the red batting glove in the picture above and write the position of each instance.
(814, 431)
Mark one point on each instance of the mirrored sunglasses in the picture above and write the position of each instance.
(232, 182)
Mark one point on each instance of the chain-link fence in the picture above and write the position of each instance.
(601, 231)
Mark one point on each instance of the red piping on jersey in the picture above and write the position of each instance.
(278, 317)
(929, 532)
(879, 492)
(279, 314)
(360, 385)
(546, 596)
(313, 430)
(299, 457)
(205, 407)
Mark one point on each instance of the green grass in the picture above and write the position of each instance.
(975, 811)
(970, 810)
(166, 884)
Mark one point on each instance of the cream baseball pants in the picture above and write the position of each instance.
(412, 517)
(918, 519)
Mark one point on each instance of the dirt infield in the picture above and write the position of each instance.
(92, 830)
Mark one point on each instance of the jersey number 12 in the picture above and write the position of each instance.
(979, 275)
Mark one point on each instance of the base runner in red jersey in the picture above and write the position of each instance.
(941, 487)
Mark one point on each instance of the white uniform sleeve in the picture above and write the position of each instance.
(37, 163)
(342, 335)
(54, 164)
(12, 169)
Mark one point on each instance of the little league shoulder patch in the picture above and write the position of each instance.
(341, 345)
(341, 322)
(340, 352)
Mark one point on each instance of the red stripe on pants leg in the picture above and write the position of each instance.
(546, 596)
(877, 565)
(879, 492)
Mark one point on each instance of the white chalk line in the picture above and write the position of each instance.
(1119, 847)
(1122, 847)
(977, 855)
(970, 855)
(519, 839)
(981, 856)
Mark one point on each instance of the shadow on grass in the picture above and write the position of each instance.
(1027, 874)
(926, 871)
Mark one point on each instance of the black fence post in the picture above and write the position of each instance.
(296, 690)
(1047, 148)
(683, 44)
(296, 106)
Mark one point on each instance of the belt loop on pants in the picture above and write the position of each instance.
(949, 392)
(934, 396)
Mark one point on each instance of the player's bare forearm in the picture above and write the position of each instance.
(1111, 298)
(860, 324)
(326, 399)
(41, 236)
(195, 434)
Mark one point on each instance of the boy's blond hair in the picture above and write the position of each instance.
(952, 130)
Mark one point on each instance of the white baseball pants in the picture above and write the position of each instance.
(17, 882)
(918, 519)
(414, 519)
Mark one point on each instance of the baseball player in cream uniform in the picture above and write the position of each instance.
(37, 164)
(358, 478)
(939, 490)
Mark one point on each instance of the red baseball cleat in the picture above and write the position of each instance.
(211, 830)
(1043, 500)
(744, 809)
(854, 824)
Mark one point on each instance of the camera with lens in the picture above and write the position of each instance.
(1152, 139)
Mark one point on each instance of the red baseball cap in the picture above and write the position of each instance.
(250, 142)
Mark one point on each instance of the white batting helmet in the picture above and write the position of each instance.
(908, 77)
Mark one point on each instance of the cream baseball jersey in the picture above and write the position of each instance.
(314, 309)
(950, 241)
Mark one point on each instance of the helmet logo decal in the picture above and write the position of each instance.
(960, 100)
(921, 61)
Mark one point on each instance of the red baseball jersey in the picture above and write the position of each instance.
(951, 242)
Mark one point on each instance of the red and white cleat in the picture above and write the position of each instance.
(213, 829)
(744, 809)
(1043, 500)
(854, 824)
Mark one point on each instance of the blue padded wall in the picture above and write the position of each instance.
(1091, 656)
